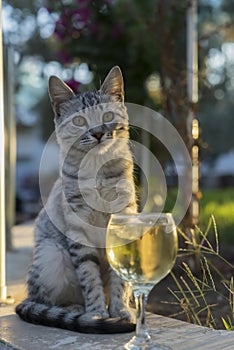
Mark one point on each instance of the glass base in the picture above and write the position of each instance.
(137, 343)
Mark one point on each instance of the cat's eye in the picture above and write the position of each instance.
(78, 120)
(108, 117)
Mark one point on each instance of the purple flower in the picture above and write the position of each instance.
(64, 57)
(73, 84)
(93, 27)
(62, 27)
(80, 17)
(83, 2)
(117, 30)
(108, 2)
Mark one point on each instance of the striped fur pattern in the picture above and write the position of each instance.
(70, 283)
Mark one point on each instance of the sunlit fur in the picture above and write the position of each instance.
(70, 284)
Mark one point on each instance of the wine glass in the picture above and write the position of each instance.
(141, 249)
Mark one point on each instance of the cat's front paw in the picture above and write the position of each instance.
(123, 312)
(94, 315)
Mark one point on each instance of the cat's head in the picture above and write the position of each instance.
(90, 119)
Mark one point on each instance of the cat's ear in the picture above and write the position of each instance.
(113, 84)
(59, 92)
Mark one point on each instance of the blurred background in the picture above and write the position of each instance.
(80, 41)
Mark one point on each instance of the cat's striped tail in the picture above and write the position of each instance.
(61, 317)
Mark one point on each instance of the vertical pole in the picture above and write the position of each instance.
(10, 141)
(192, 52)
(192, 86)
(3, 290)
(193, 126)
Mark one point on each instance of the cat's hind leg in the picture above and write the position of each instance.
(54, 297)
(52, 279)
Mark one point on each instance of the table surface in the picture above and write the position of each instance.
(16, 334)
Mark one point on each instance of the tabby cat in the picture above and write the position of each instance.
(70, 284)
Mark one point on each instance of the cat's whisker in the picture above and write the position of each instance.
(135, 130)
(86, 142)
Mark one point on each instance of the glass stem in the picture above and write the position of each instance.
(141, 329)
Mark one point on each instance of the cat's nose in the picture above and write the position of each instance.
(98, 135)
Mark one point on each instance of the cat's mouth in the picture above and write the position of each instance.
(102, 143)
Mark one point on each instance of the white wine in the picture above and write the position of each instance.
(140, 253)
(141, 248)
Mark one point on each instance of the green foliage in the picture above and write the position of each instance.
(217, 202)
(144, 38)
(215, 85)
(228, 324)
(130, 34)
(25, 38)
(193, 289)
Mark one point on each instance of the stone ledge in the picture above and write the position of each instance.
(19, 335)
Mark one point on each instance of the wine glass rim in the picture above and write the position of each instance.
(154, 216)
(142, 214)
